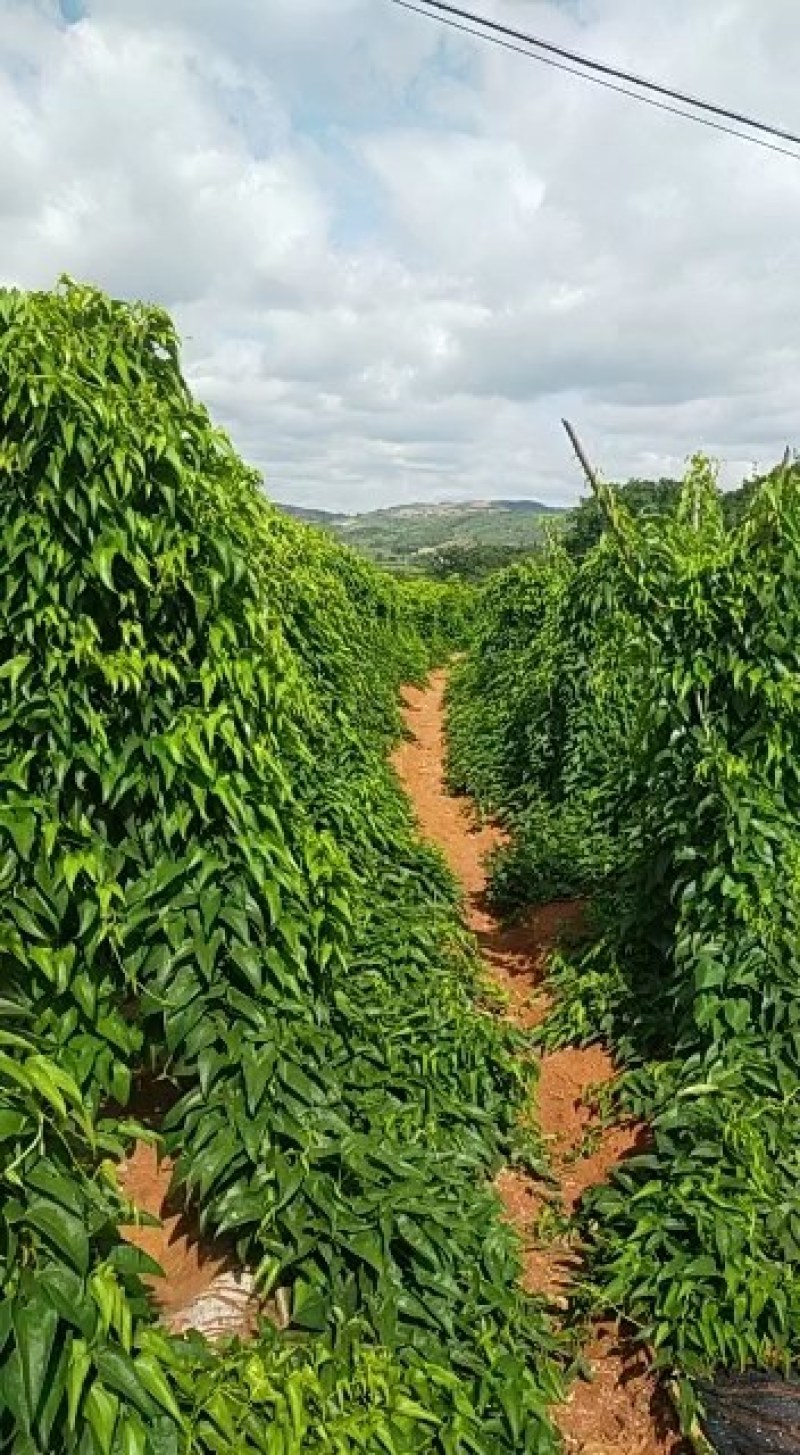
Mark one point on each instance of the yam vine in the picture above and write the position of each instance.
(634, 716)
(209, 875)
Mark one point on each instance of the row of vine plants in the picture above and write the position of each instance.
(209, 878)
(633, 716)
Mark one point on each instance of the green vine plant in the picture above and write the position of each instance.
(209, 875)
(643, 700)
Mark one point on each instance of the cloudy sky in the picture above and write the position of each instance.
(398, 256)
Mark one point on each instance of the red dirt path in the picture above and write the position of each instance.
(622, 1411)
(190, 1262)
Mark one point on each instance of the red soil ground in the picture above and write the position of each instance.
(622, 1411)
(190, 1262)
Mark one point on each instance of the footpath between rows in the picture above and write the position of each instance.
(621, 1410)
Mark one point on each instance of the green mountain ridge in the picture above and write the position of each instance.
(403, 535)
(425, 508)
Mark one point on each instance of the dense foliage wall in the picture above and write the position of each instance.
(539, 715)
(209, 874)
(649, 695)
(441, 612)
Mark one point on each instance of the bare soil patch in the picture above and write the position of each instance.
(201, 1287)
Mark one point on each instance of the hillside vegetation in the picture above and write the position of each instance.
(470, 541)
(408, 537)
(210, 877)
(632, 714)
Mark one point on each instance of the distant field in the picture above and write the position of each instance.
(403, 535)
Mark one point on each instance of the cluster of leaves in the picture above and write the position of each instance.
(537, 721)
(653, 499)
(589, 521)
(441, 611)
(693, 979)
(210, 874)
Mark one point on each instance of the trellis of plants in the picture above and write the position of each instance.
(209, 876)
(675, 743)
(538, 717)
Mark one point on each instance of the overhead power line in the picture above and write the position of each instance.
(522, 44)
(603, 68)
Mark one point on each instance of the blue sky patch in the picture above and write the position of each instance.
(72, 10)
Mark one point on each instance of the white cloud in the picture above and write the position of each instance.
(399, 256)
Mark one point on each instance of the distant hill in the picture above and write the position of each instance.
(402, 535)
(309, 514)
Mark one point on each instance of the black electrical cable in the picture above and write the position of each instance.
(604, 69)
(487, 35)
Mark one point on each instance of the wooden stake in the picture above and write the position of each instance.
(590, 474)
